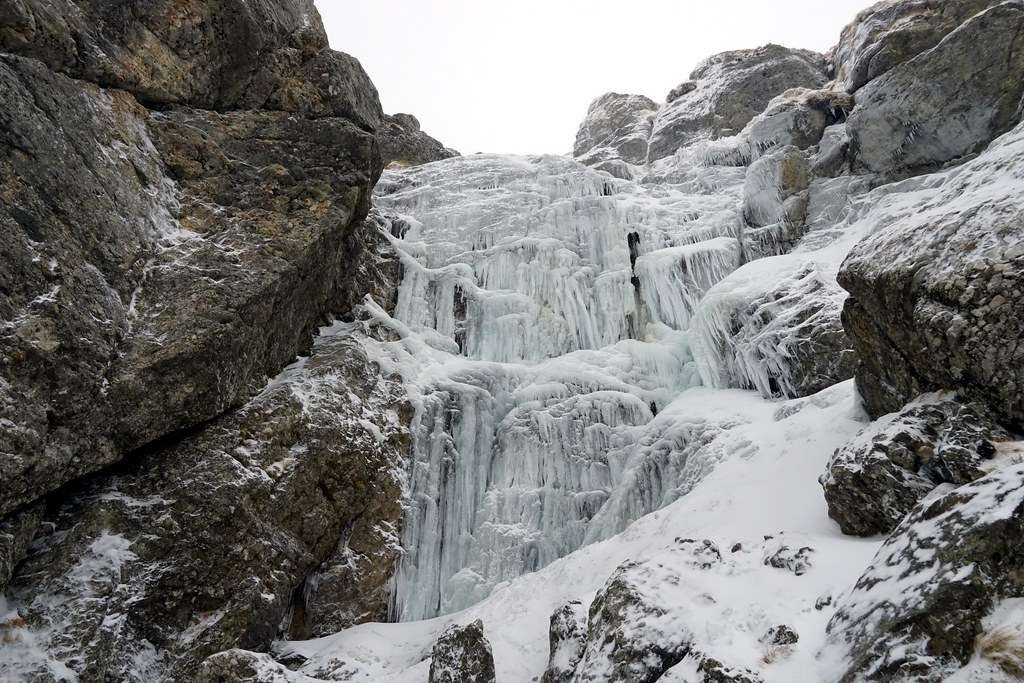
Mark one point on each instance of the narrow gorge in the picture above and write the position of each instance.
(290, 391)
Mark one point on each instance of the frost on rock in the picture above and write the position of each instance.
(874, 481)
(774, 327)
(922, 610)
(462, 655)
(615, 133)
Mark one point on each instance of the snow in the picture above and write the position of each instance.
(742, 500)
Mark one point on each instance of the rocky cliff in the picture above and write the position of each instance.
(731, 395)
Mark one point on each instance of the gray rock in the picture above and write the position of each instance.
(210, 54)
(919, 611)
(935, 296)
(567, 638)
(160, 265)
(775, 200)
(219, 541)
(617, 128)
(892, 32)
(403, 143)
(945, 103)
(727, 91)
(714, 671)
(622, 644)
(16, 533)
(243, 666)
(462, 655)
(873, 482)
(779, 552)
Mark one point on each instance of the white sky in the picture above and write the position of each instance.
(516, 76)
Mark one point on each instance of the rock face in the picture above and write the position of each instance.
(873, 482)
(209, 54)
(213, 243)
(727, 91)
(935, 296)
(462, 655)
(615, 131)
(928, 598)
(946, 102)
(892, 32)
(216, 541)
(403, 143)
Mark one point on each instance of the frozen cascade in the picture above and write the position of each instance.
(542, 323)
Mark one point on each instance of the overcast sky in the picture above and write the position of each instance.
(517, 76)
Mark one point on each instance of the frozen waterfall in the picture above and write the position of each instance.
(543, 323)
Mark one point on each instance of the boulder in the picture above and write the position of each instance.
(159, 265)
(874, 481)
(892, 32)
(209, 54)
(936, 294)
(567, 638)
(616, 129)
(243, 666)
(631, 635)
(219, 540)
(462, 655)
(945, 103)
(403, 143)
(727, 91)
(932, 596)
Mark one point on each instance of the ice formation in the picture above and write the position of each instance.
(544, 325)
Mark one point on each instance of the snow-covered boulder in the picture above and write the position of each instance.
(874, 481)
(892, 32)
(243, 666)
(946, 102)
(942, 593)
(631, 636)
(462, 655)
(567, 634)
(936, 291)
(615, 132)
(727, 90)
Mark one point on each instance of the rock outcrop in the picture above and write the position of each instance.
(927, 602)
(462, 655)
(403, 143)
(567, 634)
(162, 264)
(892, 32)
(218, 540)
(873, 482)
(935, 295)
(208, 54)
(615, 133)
(945, 103)
(727, 91)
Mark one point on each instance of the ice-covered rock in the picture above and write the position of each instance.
(775, 200)
(936, 290)
(943, 591)
(945, 103)
(780, 334)
(727, 90)
(16, 533)
(892, 32)
(462, 655)
(615, 133)
(873, 482)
